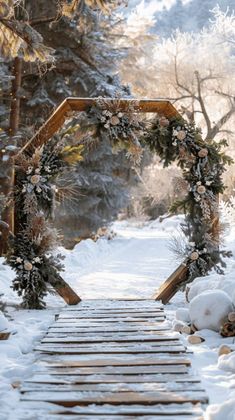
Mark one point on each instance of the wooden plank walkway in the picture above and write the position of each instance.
(112, 359)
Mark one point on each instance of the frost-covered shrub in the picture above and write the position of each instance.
(209, 310)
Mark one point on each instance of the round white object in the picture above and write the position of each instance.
(209, 310)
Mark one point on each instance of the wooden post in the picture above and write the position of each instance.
(168, 289)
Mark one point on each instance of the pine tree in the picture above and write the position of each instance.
(85, 65)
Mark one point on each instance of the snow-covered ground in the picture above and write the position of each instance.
(133, 264)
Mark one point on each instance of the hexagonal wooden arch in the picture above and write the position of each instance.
(64, 111)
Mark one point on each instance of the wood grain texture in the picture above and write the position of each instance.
(129, 373)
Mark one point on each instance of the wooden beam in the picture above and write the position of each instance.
(69, 105)
(168, 289)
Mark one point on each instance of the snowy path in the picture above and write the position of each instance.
(133, 265)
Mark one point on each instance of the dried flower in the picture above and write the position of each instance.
(114, 120)
(29, 170)
(203, 153)
(194, 256)
(35, 179)
(164, 122)
(181, 135)
(28, 266)
(201, 189)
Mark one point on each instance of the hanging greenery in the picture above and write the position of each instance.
(119, 123)
(31, 250)
(202, 165)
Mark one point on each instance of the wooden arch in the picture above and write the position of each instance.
(64, 111)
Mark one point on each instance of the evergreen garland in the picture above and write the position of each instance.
(30, 254)
(202, 165)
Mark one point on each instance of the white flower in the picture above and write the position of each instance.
(38, 189)
(192, 243)
(174, 132)
(47, 169)
(29, 170)
(208, 182)
(37, 260)
(199, 183)
(24, 189)
(37, 171)
(106, 125)
(174, 143)
(19, 260)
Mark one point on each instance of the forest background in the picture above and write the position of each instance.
(177, 50)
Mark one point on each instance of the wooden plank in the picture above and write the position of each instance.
(117, 370)
(40, 408)
(113, 309)
(68, 415)
(117, 360)
(94, 316)
(117, 338)
(71, 399)
(105, 329)
(109, 320)
(130, 344)
(168, 289)
(100, 387)
(46, 378)
(112, 344)
(107, 324)
(121, 350)
(4, 335)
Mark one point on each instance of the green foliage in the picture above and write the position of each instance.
(203, 165)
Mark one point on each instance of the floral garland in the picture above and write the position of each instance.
(30, 254)
(173, 140)
(203, 165)
(119, 123)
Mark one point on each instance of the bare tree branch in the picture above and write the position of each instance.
(202, 105)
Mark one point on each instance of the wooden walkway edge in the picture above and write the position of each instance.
(111, 359)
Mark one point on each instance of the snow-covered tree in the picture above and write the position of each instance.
(85, 65)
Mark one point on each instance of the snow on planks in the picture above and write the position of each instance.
(112, 359)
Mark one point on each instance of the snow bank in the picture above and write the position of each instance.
(209, 310)
(214, 282)
(4, 323)
(224, 411)
(227, 362)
